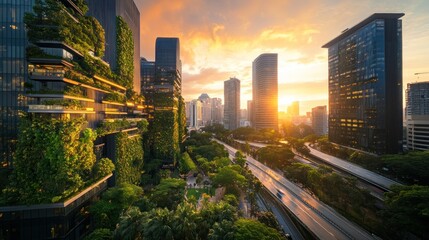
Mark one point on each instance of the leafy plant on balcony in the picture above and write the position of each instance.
(74, 75)
(125, 53)
(92, 66)
(114, 97)
(108, 127)
(69, 104)
(54, 160)
(74, 90)
(49, 21)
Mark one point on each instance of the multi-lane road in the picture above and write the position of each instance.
(359, 172)
(320, 219)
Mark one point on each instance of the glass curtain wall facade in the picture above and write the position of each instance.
(231, 115)
(13, 72)
(365, 85)
(265, 92)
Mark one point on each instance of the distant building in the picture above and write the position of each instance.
(319, 120)
(217, 110)
(293, 109)
(265, 92)
(206, 108)
(195, 114)
(106, 11)
(250, 111)
(365, 85)
(231, 91)
(417, 115)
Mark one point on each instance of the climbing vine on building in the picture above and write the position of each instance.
(129, 158)
(125, 53)
(54, 160)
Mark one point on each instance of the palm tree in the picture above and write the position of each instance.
(130, 225)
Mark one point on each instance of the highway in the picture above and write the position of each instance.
(267, 202)
(355, 170)
(320, 219)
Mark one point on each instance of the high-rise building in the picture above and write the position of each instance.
(319, 120)
(147, 69)
(265, 91)
(206, 109)
(107, 12)
(417, 116)
(249, 111)
(217, 110)
(231, 91)
(365, 85)
(293, 109)
(169, 115)
(13, 73)
(196, 114)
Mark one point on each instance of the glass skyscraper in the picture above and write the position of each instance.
(13, 72)
(365, 85)
(231, 115)
(265, 92)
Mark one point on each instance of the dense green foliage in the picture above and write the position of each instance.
(412, 167)
(163, 136)
(169, 193)
(54, 160)
(87, 35)
(251, 134)
(210, 151)
(181, 112)
(100, 234)
(247, 229)
(129, 158)
(108, 127)
(273, 156)
(106, 212)
(407, 210)
(125, 53)
(186, 164)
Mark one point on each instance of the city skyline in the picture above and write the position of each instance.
(212, 42)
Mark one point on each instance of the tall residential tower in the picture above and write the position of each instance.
(365, 85)
(265, 92)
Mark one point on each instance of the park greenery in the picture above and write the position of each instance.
(163, 212)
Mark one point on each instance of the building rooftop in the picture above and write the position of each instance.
(371, 18)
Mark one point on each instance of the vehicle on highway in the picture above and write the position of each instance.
(280, 193)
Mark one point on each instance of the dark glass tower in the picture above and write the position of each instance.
(13, 72)
(365, 85)
(168, 65)
(105, 11)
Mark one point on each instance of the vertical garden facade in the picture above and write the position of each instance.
(83, 122)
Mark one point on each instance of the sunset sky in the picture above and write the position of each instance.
(220, 39)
